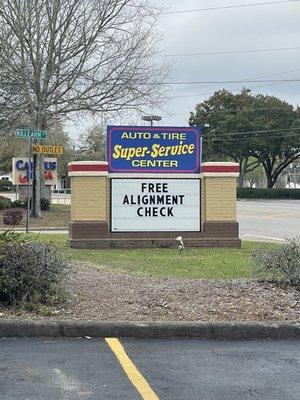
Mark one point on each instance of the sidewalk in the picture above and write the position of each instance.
(48, 230)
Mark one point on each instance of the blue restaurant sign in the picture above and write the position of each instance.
(154, 149)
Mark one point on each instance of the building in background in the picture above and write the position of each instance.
(6, 177)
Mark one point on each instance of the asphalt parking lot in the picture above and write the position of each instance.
(268, 220)
(75, 369)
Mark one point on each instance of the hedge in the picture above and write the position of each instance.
(5, 186)
(252, 193)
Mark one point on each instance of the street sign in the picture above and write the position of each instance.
(31, 134)
(39, 149)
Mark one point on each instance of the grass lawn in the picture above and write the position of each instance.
(192, 263)
(58, 216)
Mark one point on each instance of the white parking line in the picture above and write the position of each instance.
(266, 204)
(264, 237)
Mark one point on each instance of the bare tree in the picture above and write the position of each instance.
(60, 57)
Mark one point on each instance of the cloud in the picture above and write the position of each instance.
(272, 26)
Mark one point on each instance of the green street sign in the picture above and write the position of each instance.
(26, 134)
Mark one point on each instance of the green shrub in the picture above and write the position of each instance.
(268, 193)
(5, 186)
(4, 202)
(281, 264)
(45, 204)
(17, 204)
(31, 275)
(12, 216)
(4, 205)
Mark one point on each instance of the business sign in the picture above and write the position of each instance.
(153, 205)
(40, 149)
(154, 149)
(20, 171)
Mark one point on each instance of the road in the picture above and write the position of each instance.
(268, 220)
(90, 369)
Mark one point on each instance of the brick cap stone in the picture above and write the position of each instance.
(88, 168)
(100, 168)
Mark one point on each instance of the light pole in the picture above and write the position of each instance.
(209, 144)
(151, 118)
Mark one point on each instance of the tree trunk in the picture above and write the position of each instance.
(270, 181)
(243, 168)
(241, 180)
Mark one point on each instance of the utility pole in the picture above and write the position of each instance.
(36, 170)
(28, 185)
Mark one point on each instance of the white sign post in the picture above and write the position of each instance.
(152, 205)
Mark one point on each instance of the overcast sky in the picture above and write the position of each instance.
(249, 28)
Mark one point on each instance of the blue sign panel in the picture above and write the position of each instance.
(154, 149)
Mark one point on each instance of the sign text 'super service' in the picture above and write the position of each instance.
(154, 149)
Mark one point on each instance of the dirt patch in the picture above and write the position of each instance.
(98, 294)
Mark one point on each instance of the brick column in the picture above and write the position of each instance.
(219, 180)
(89, 201)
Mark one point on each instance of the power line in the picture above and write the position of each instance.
(252, 77)
(212, 93)
(230, 111)
(261, 131)
(274, 74)
(228, 82)
(247, 109)
(264, 136)
(208, 53)
(230, 7)
(190, 95)
(249, 139)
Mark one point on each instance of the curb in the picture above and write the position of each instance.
(40, 228)
(199, 330)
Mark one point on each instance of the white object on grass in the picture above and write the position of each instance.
(181, 246)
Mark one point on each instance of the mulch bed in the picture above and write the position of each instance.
(55, 217)
(99, 294)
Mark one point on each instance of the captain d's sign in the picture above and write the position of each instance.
(20, 171)
(154, 149)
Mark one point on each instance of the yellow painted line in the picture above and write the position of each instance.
(131, 370)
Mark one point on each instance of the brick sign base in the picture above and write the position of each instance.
(90, 225)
